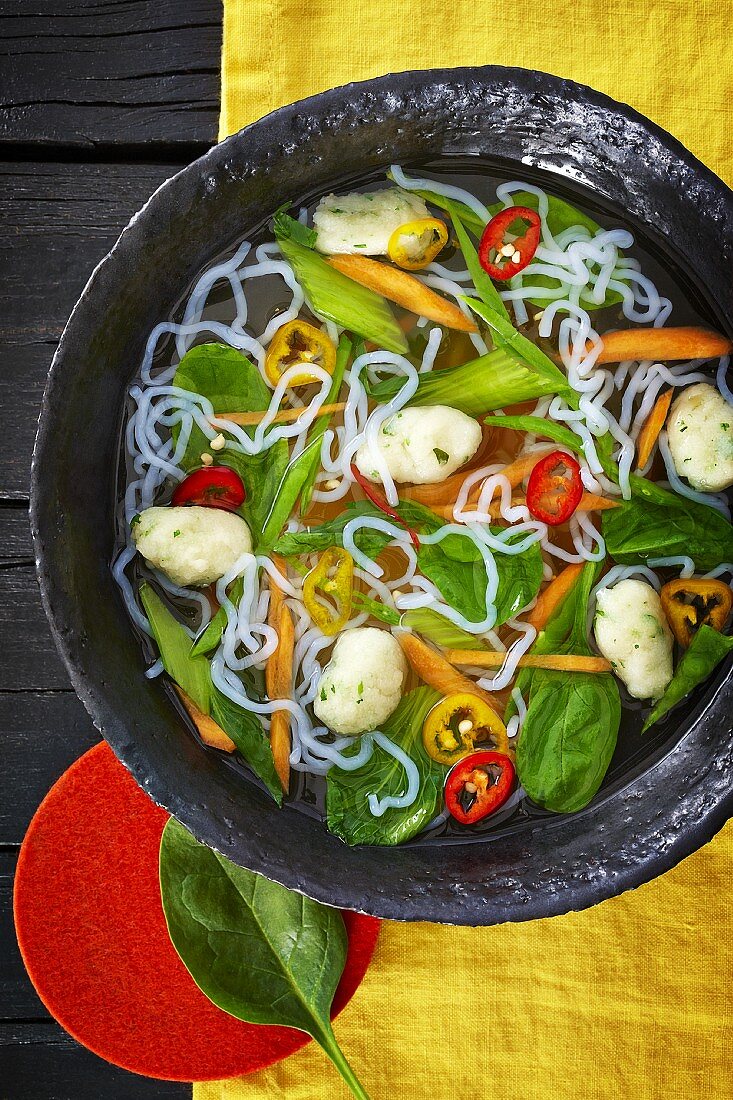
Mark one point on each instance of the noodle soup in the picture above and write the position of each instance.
(388, 525)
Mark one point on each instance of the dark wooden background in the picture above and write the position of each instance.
(101, 101)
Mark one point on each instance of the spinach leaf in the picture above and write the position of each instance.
(334, 296)
(233, 384)
(456, 568)
(707, 649)
(455, 565)
(347, 793)
(192, 672)
(658, 523)
(569, 733)
(260, 952)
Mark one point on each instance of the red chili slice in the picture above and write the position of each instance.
(379, 502)
(478, 785)
(211, 487)
(502, 265)
(554, 488)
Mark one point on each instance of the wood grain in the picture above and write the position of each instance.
(80, 74)
(57, 221)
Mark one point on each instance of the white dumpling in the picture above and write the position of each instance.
(700, 435)
(422, 446)
(193, 546)
(363, 223)
(362, 683)
(632, 633)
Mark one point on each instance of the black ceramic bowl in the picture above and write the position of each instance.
(639, 826)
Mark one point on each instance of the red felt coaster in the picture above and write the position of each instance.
(92, 933)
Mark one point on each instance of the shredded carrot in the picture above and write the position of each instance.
(444, 493)
(553, 595)
(402, 288)
(663, 343)
(590, 502)
(653, 425)
(209, 732)
(285, 416)
(279, 675)
(561, 662)
(436, 671)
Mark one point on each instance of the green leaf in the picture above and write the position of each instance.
(434, 626)
(493, 381)
(707, 649)
(657, 523)
(233, 384)
(506, 336)
(337, 298)
(192, 672)
(290, 228)
(481, 279)
(454, 565)
(260, 952)
(347, 794)
(570, 731)
(320, 425)
(559, 434)
(210, 637)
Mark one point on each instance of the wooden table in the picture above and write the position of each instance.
(101, 101)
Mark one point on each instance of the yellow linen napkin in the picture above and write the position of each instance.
(628, 1000)
(670, 59)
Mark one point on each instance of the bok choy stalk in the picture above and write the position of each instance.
(193, 674)
(333, 295)
(493, 381)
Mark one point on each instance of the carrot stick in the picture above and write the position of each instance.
(403, 289)
(562, 662)
(590, 502)
(209, 732)
(436, 671)
(285, 416)
(653, 425)
(445, 492)
(553, 595)
(279, 674)
(663, 343)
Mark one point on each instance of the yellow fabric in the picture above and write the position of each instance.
(628, 1000)
(671, 59)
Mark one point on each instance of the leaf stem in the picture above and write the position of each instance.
(330, 1045)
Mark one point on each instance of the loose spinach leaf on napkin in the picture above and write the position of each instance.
(707, 649)
(347, 795)
(260, 952)
(233, 384)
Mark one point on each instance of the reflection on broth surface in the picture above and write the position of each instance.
(241, 308)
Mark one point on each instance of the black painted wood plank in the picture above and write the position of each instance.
(56, 222)
(43, 733)
(16, 546)
(30, 659)
(41, 1062)
(112, 72)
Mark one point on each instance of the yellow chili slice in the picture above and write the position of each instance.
(298, 342)
(690, 603)
(416, 244)
(328, 590)
(458, 724)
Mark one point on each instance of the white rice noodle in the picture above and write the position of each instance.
(517, 649)
(439, 188)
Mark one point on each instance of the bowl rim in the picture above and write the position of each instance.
(684, 830)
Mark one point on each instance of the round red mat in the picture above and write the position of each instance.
(92, 934)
